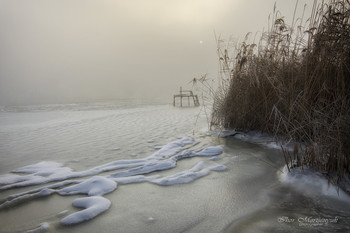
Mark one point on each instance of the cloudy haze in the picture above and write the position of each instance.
(65, 51)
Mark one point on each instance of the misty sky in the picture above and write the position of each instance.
(67, 51)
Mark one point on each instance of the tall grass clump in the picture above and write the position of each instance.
(294, 83)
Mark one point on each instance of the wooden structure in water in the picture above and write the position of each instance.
(186, 94)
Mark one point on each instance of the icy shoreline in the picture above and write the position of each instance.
(106, 159)
(298, 178)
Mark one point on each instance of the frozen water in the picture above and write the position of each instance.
(93, 206)
(148, 167)
(76, 146)
(173, 148)
(256, 137)
(163, 159)
(210, 151)
(44, 227)
(95, 186)
(135, 179)
(199, 170)
(311, 183)
(42, 193)
(44, 168)
(12, 178)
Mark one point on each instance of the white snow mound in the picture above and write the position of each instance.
(93, 206)
(95, 186)
(200, 169)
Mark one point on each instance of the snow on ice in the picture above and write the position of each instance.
(311, 183)
(44, 227)
(199, 170)
(93, 206)
(96, 185)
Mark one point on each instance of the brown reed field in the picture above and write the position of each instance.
(293, 83)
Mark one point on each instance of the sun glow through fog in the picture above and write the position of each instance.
(86, 50)
(195, 12)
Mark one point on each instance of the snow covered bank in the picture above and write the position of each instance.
(306, 180)
(311, 183)
(256, 137)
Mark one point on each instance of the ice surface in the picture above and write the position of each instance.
(163, 159)
(199, 170)
(206, 152)
(131, 171)
(148, 167)
(39, 173)
(93, 206)
(173, 148)
(62, 173)
(227, 133)
(115, 165)
(311, 183)
(256, 137)
(62, 213)
(45, 172)
(52, 186)
(95, 186)
(134, 179)
(42, 193)
(44, 227)
(210, 151)
(44, 168)
(13, 178)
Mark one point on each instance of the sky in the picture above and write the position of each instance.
(69, 51)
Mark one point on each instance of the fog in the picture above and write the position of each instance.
(67, 51)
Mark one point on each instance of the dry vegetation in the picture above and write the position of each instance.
(294, 83)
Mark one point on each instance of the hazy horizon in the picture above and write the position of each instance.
(67, 51)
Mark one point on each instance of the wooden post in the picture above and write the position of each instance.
(181, 96)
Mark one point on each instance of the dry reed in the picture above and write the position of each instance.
(295, 84)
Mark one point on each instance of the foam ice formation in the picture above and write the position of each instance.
(13, 178)
(93, 206)
(187, 176)
(44, 168)
(210, 151)
(173, 148)
(148, 167)
(135, 179)
(96, 186)
(44, 227)
(20, 199)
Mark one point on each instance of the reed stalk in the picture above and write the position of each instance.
(295, 84)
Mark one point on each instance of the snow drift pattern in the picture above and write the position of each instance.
(96, 186)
